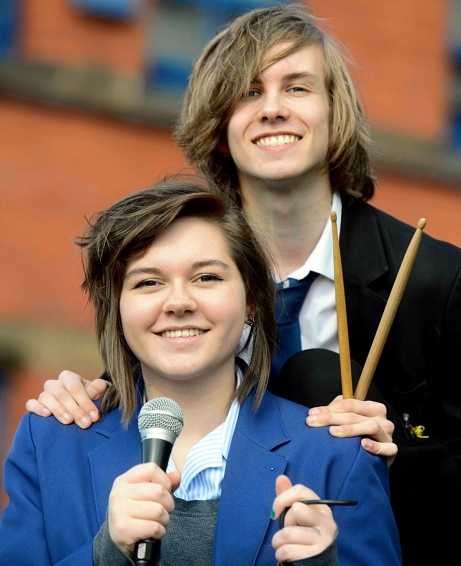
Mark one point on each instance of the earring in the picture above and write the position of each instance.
(250, 319)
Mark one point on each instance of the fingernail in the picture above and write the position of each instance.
(272, 514)
(85, 421)
(312, 419)
(314, 412)
(67, 417)
(94, 415)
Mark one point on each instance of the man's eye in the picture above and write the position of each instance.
(252, 93)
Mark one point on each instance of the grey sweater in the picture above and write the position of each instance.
(189, 540)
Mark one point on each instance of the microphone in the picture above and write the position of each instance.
(160, 422)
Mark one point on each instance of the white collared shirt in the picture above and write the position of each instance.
(318, 318)
(205, 465)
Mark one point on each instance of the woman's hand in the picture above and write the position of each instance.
(308, 529)
(140, 504)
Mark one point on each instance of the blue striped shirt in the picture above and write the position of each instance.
(206, 463)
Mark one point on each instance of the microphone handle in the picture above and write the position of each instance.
(148, 553)
(156, 450)
(153, 450)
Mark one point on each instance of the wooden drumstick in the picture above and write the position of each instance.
(343, 336)
(389, 314)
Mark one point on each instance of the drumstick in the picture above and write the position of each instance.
(343, 336)
(389, 314)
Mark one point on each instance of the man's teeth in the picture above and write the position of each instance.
(277, 140)
(182, 333)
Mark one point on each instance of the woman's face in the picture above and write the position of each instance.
(183, 305)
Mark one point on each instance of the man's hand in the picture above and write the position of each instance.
(70, 399)
(350, 417)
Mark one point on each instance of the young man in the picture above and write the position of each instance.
(272, 115)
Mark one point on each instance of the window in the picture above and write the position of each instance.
(177, 31)
(454, 46)
(119, 10)
(8, 21)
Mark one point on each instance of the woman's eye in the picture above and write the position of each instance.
(209, 277)
(146, 283)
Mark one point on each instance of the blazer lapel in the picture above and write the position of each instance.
(249, 484)
(119, 450)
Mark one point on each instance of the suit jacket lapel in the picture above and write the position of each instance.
(249, 484)
(361, 244)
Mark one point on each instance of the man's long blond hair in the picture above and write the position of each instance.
(224, 73)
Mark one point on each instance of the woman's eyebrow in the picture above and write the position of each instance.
(156, 271)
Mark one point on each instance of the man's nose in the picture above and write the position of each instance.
(273, 107)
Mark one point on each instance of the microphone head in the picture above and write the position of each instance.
(160, 418)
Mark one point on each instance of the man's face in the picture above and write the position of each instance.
(279, 131)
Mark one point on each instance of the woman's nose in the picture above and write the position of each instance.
(179, 301)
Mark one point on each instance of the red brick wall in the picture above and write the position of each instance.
(399, 51)
(55, 168)
(55, 31)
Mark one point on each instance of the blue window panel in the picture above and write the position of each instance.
(228, 5)
(8, 31)
(169, 76)
(455, 124)
(119, 10)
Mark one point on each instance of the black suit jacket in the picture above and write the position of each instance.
(418, 373)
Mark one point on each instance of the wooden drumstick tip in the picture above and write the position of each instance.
(388, 315)
(333, 216)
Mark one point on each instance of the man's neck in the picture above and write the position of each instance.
(291, 222)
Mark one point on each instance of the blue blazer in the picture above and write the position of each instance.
(58, 479)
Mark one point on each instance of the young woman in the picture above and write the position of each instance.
(174, 274)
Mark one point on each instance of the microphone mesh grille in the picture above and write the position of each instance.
(161, 413)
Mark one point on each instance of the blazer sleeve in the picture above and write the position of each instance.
(23, 528)
(367, 529)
